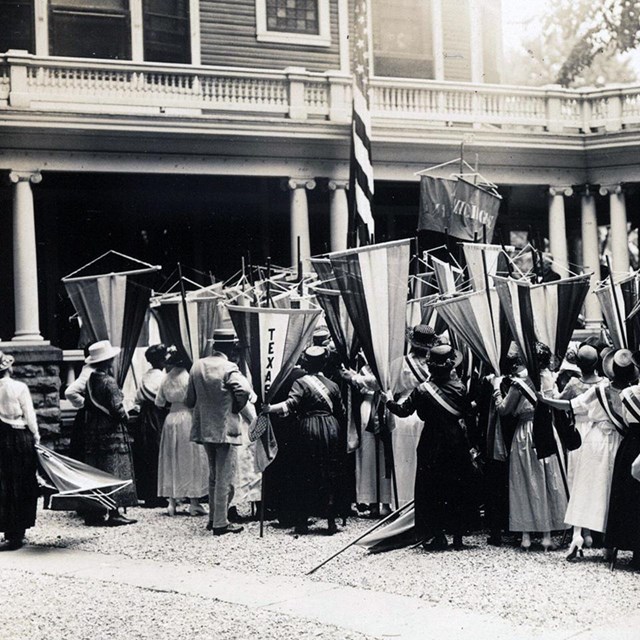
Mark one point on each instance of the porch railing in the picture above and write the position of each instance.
(82, 86)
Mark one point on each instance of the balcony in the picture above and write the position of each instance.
(106, 88)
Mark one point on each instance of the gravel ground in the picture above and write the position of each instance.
(59, 609)
(535, 588)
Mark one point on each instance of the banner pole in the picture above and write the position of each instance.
(623, 337)
(377, 525)
(183, 295)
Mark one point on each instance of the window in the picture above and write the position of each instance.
(166, 31)
(16, 18)
(304, 22)
(403, 39)
(90, 29)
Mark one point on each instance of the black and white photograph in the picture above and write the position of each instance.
(319, 319)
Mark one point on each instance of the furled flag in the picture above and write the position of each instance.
(373, 282)
(619, 308)
(272, 341)
(361, 225)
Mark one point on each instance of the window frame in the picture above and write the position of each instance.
(322, 39)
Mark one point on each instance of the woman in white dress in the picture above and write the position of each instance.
(589, 503)
(183, 468)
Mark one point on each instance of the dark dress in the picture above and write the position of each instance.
(319, 458)
(444, 473)
(623, 523)
(146, 443)
(106, 441)
(18, 464)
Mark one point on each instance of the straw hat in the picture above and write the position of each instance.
(618, 363)
(6, 361)
(315, 354)
(422, 336)
(101, 351)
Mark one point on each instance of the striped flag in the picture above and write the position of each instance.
(361, 225)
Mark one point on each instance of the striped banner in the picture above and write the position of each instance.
(361, 224)
(622, 323)
(544, 312)
(373, 283)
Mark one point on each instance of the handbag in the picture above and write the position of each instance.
(566, 427)
(635, 469)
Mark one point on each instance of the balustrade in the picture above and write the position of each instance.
(65, 84)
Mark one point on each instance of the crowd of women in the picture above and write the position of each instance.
(534, 457)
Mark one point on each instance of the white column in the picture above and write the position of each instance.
(299, 215)
(339, 214)
(41, 15)
(619, 235)
(137, 36)
(590, 258)
(194, 22)
(558, 228)
(25, 264)
(477, 59)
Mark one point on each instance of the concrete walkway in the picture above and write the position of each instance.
(377, 614)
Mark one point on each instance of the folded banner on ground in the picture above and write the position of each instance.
(272, 341)
(373, 283)
(462, 209)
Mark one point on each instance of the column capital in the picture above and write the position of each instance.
(608, 189)
(334, 185)
(301, 183)
(560, 191)
(23, 176)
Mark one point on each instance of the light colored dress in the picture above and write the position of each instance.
(183, 466)
(537, 497)
(589, 503)
(574, 388)
(405, 433)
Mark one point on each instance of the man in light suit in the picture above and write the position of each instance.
(217, 393)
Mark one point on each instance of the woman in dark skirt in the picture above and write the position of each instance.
(320, 457)
(444, 472)
(146, 445)
(623, 523)
(106, 441)
(18, 437)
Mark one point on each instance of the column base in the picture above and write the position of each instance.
(26, 340)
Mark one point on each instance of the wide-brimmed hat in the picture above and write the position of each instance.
(618, 363)
(321, 337)
(422, 336)
(6, 361)
(224, 336)
(444, 357)
(101, 351)
(587, 356)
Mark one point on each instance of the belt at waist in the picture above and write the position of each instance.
(10, 425)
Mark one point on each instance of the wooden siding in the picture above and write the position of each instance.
(228, 34)
(456, 27)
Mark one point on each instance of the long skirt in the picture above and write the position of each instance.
(405, 438)
(146, 449)
(319, 466)
(623, 524)
(18, 484)
(589, 503)
(583, 427)
(537, 497)
(366, 470)
(183, 466)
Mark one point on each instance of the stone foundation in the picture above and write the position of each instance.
(38, 366)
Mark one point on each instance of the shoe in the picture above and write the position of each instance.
(588, 541)
(549, 545)
(230, 528)
(525, 545)
(494, 540)
(301, 529)
(197, 510)
(233, 515)
(575, 548)
(458, 544)
(209, 526)
(171, 507)
(119, 520)
(12, 545)
(95, 521)
(385, 511)
(439, 543)
(332, 527)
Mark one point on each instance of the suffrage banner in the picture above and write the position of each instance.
(465, 210)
